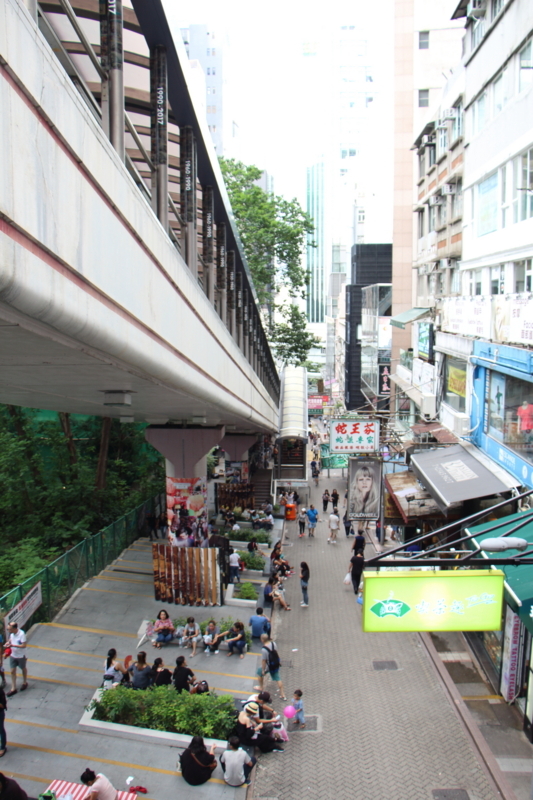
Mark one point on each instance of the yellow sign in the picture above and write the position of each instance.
(463, 600)
(457, 381)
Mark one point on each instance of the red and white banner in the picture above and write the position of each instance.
(23, 610)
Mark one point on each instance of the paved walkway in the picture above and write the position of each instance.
(382, 734)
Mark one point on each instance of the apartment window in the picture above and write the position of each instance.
(478, 32)
(213, 51)
(420, 221)
(208, 51)
(213, 71)
(504, 197)
(525, 68)
(497, 6)
(479, 111)
(525, 184)
(497, 280)
(208, 90)
(432, 156)
(455, 281)
(423, 40)
(443, 138)
(457, 123)
(474, 282)
(457, 200)
(213, 90)
(208, 71)
(421, 164)
(442, 213)
(360, 215)
(523, 275)
(487, 205)
(423, 98)
(499, 92)
(432, 218)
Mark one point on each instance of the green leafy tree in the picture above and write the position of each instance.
(274, 231)
(290, 338)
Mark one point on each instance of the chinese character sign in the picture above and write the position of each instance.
(354, 436)
(462, 600)
(364, 488)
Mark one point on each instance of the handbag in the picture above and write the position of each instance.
(348, 579)
(48, 795)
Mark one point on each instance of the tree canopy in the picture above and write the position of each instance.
(274, 231)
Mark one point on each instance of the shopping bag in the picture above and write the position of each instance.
(348, 579)
(360, 599)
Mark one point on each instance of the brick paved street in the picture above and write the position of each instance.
(382, 734)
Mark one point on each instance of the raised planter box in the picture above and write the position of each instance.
(230, 600)
(114, 729)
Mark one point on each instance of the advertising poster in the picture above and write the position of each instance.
(354, 436)
(384, 380)
(364, 488)
(25, 608)
(187, 493)
(496, 405)
(425, 340)
(456, 381)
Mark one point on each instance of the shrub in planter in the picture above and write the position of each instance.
(252, 560)
(161, 708)
(245, 591)
(246, 535)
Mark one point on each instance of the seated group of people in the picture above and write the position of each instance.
(280, 570)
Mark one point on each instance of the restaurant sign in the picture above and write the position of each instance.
(354, 436)
(465, 600)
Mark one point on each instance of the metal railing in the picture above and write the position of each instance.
(60, 579)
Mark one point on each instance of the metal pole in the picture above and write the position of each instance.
(188, 195)
(159, 132)
(222, 270)
(112, 59)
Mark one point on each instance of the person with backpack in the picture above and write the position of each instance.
(270, 663)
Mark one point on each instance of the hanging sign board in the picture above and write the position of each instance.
(25, 608)
(354, 436)
(461, 600)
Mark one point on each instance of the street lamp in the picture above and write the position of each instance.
(502, 543)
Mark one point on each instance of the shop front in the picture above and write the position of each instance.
(507, 654)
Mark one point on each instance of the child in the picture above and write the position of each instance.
(298, 704)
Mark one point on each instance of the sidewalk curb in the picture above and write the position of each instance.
(485, 754)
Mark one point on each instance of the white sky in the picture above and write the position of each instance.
(278, 99)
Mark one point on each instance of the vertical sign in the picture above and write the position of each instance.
(158, 100)
(221, 255)
(208, 205)
(230, 273)
(111, 34)
(245, 313)
(187, 174)
(511, 651)
(238, 297)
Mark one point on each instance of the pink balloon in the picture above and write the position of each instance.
(289, 712)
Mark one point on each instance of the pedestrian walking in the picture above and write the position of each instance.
(348, 527)
(335, 498)
(356, 567)
(298, 704)
(312, 517)
(304, 583)
(234, 567)
(17, 643)
(270, 664)
(334, 523)
(325, 500)
(302, 519)
(3, 738)
(359, 541)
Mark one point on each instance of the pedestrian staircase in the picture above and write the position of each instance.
(262, 481)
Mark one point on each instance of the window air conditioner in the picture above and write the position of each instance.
(475, 9)
(428, 140)
(436, 200)
(449, 113)
(449, 188)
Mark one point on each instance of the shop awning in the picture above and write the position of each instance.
(518, 580)
(436, 430)
(457, 473)
(420, 506)
(403, 319)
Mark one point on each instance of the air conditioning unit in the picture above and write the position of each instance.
(449, 113)
(449, 188)
(436, 200)
(461, 424)
(429, 139)
(476, 9)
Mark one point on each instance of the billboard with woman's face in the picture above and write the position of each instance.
(364, 488)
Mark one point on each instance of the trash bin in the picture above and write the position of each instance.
(290, 511)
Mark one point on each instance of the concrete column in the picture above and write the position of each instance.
(159, 132)
(237, 445)
(184, 448)
(208, 207)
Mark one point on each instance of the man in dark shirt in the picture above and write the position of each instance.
(357, 565)
(359, 541)
(183, 677)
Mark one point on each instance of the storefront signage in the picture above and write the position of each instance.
(364, 488)
(354, 436)
(425, 340)
(384, 379)
(466, 600)
(316, 402)
(467, 316)
(511, 652)
(456, 381)
(189, 494)
(27, 606)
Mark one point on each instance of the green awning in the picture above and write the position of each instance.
(518, 580)
(403, 319)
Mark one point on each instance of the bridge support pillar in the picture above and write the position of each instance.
(184, 448)
(237, 445)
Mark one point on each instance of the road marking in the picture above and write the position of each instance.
(88, 630)
(114, 591)
(66, 666)
(40, 725)
(62, 683)
(122, 580)
(90, 759)
(69, 652)
(29, 777)
(483, 697)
